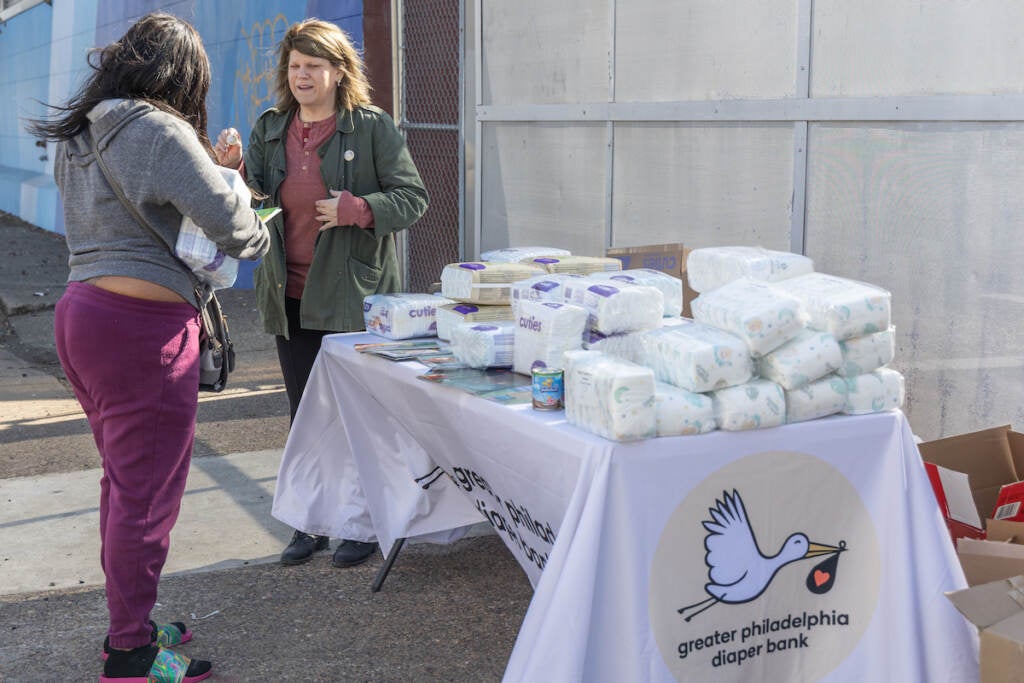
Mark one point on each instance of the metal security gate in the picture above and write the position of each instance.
(429, 108)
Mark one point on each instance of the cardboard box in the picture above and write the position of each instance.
(997, 609)
(953, 492)
(668, 258)
(999, 556)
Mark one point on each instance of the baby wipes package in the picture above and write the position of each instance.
(484, 345)
(671, 288)
(544, 331)
(759, 313)
(402, 315)
(696, 357)
(484, 283)
(453, 314)
(609, 397)
(712, 267)
(844, 308)
(754, 405)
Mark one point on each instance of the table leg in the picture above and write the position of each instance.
(382, 573)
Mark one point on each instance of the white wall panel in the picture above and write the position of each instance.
(544, 184)
(932, 212)
(704, 49)
(917, 47)
(702, 185)
(545, 52)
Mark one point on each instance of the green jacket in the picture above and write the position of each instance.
(349, 262)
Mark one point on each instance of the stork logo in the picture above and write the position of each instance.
(738, 569)
(768, 569)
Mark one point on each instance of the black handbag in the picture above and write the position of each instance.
(216, 352)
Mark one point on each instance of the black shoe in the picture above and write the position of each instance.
(351, 553)
(302, 547)
(141, 664)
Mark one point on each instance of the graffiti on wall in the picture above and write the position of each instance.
(254, 77)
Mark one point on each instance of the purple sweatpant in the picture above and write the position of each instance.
(134, 367)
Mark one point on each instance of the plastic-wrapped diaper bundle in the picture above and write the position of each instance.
(696, 357)
(546, 287)
(874, 392)
(624, 345)
(450, 315)
(518, 254)
(680, 412)
(805, 358)
(825, 396)
(579, 265)
(484, 345)
(868, 352)
(712, 267)
(484, 283)
(671, 287)
(754, 405)
(401, 315)
(845, 308)
(609, 397)
(616, 307)
(764, 316)
(544, 331)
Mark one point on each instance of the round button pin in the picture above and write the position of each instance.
(349, 155)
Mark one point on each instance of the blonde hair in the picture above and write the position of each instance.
(323, 40)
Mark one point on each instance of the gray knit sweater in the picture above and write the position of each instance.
(164, 171)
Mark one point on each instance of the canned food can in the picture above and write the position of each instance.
(548, 389)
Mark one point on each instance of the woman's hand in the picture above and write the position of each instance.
(343, 208)
(229, 148)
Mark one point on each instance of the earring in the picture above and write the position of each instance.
(339, 83)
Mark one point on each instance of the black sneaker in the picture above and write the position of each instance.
(149, 661)
(351, 553)
(302, 547)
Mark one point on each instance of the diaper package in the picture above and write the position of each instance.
(616, 307)
(624, 345)
(450, 315)
(844, 308)
(483, 283)
(809, 356)
(578, 265)
(680, 412)
(402, 315)
(518, 254)
(712, 267)
(824, 396)
(874, 392)
(546, 287)
(544, 331)
(754, 405)
(609, 397)
(869, 352)
(696, 357)
(484, 345)
(762, 315)
(671, 288)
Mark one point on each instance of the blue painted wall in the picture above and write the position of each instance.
(43, 59)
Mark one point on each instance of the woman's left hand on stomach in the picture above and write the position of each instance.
(327, 211)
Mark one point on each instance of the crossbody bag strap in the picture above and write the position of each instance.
(200, 291)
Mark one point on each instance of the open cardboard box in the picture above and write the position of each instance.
(984, 468)
(997, 609)
(668, 258)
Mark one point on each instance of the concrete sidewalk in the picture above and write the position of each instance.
(446, 613)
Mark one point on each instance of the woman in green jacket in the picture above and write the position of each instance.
(340, 171)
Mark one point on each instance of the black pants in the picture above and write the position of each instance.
(296, 354)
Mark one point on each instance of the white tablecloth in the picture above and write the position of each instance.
(617, 539)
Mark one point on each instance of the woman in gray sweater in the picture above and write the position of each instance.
(127, 328)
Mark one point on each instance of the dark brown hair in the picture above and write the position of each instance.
(323, 40)
(160, 59)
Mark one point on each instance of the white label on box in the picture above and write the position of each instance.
(1007, 511)
(957, 488)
